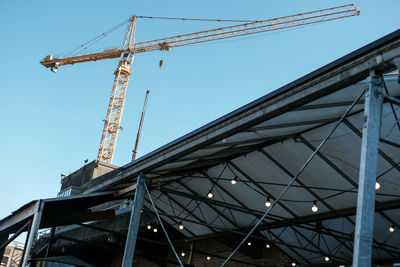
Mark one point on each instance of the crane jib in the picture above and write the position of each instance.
(215, 34)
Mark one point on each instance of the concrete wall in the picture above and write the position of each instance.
(83, 176)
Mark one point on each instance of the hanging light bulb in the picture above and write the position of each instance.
(268, 203)
(210, 194)
(391, 229)
(293, 264)
(234, 180)
(208, 258)
(314, 207)
(183, 254)
(326, 258)
(377, 185)
(267, 246)
(249, 244)
(155, 230)
(181, 226)
(149, 226)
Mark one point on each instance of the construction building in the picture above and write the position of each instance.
(12, 254)
(306, 175)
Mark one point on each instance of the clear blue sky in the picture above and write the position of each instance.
(52, 122)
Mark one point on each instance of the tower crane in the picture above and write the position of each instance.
(130, 48)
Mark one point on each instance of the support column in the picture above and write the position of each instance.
(32, 233)
(190, 259)
(3, 240)
(364, 230)
(51, 241)
(134, 222)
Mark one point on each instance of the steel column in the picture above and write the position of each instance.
(363, 237)
(3, 239)
(14, 236)
(134, 222)
(190, 259)
(32, 232)
(51, 241)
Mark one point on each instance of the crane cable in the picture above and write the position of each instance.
(214, 20)
(91, 42)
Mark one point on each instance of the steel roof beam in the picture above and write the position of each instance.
(325, 231)
(388, 205)
(329, 162)
(291, 124)
(230, 195)
(19, 217)
(237, 168)
(381, 153)
(172, 218)
(326, 216)
(321, 252)
(290, 247)
(188, 211)
(327, 105)
(244, 250)
(291, 175)
(211, 202)
(209, 205)
(225, 191)
(343, 174)
(223, 231)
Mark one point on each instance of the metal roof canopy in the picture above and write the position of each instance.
(58, 211)
(263, 145)
(52, 212)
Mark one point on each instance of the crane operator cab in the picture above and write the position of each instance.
(125, 63)
(127, 56)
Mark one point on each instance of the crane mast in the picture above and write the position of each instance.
(129, 48)
(117, 99)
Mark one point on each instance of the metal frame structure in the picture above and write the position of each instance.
(225, 152)
(274, 142)
(215, 34)
(126, 54)
(134, 225)
(364, 231)
(117, 99)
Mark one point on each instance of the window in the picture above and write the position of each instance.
(4, 260)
